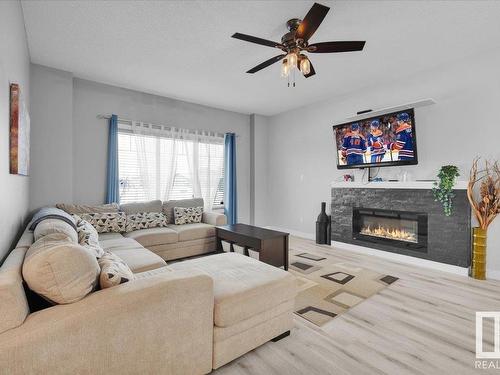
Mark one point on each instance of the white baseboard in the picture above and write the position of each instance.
(492, 274)
(309, 236)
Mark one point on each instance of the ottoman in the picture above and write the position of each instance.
(253, 302)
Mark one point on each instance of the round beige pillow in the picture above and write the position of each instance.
(60, 270)
(49, 226)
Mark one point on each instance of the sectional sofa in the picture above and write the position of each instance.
(171, 242)
(188, 317)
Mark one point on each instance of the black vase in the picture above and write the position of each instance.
(323, 227)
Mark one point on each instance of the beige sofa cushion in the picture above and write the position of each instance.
(87, 209)
(148, 274)
(243, 286)
(26, 240)
(168, 206)
(13, 304)
(139, 259)
(118, 243)
(131, 252)
(214, 218)
(109, 235)
(137, 207)
(59, 270)
(195, 231)
(153, 236)
(49, 226)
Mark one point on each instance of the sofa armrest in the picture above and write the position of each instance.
(214, 218)
(160, 324)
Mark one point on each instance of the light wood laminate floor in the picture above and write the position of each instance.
(422, 324)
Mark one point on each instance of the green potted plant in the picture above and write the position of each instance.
(443, 189)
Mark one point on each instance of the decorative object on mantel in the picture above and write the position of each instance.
(323, 227)
(349, 177)
(485, 205)
(19, 133)
(443, 190)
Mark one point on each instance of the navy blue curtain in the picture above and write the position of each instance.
(230, 201)
(113, 179)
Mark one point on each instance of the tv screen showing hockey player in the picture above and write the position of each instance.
(377, 141)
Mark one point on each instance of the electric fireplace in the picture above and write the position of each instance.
(401, 229)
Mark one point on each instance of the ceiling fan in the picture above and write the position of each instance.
(296, 42)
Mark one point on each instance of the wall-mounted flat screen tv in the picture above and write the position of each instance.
(379, 141)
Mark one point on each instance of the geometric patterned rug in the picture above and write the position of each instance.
(328, 288)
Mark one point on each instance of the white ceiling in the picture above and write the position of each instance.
(183, 49)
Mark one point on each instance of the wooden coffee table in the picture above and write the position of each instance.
(271, 245)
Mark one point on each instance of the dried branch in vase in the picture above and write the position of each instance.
(485, 203)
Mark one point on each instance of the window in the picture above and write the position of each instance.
(158, 167)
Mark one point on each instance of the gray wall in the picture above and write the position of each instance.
(462, 125)
(51, 136)
(259, 149)
(71, 144)
(14, 68)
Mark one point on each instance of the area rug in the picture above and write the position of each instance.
(328, 288)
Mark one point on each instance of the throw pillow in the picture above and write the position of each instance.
(59, 270)
(114, 271)
(49, 226)
(168, 206)
(88, 236)
(144, 220)
(187, 215)
(106, 222)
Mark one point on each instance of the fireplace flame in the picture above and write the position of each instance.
(390, 233)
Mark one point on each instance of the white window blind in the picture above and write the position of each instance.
(159, 167)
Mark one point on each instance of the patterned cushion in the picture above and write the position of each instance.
(107, 222)
(187, 215)
(145, 220)
(88, 236)
(114, 271)
(168, 206)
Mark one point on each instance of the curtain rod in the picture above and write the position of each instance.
(107, 117)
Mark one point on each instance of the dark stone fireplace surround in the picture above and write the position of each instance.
(448, 238)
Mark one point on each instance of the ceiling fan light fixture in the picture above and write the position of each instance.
(296, 41)
(292, 60)
(305, 66)
(285, 69)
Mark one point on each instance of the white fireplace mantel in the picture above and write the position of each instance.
(460, 185)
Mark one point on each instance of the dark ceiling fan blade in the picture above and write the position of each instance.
(311, 69)
(329, 47)
(254, 39)
(311, 21)
(266, 63)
